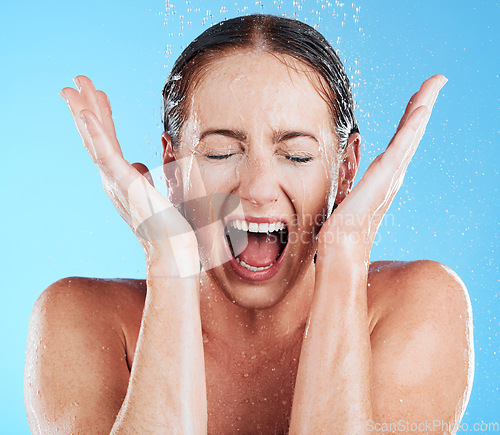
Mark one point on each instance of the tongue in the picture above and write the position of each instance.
(261, 250)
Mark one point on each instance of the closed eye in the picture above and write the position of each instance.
(299, 159)
(218, 156)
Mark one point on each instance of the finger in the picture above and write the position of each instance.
(381, 181)
(89, 94)
(405, 142)
(373, 195)
(76, 105)
(143, 169)
(398, 148)
(124, 183)
(107, 119)
(426, 96)
(102, 149)
(387, 167)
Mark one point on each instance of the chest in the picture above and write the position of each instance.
(250, 396)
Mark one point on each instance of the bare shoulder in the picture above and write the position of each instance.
(120, 301)
(421, 335)
(417, 285)
(102, 288)
(91, 291)
(81, 339)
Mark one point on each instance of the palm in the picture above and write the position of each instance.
(361, 212)
(150, 215)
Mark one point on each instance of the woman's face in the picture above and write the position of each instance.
(258, 129)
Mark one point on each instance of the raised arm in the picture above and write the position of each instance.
(415, 365)
(70, 384)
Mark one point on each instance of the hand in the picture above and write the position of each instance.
(151, 216)
(355, 222)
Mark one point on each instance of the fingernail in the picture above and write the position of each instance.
(64, 97)
(77, 84)
(82, 117)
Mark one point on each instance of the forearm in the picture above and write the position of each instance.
(333, 385)
(167, 389)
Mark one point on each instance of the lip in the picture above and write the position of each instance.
(242, 272)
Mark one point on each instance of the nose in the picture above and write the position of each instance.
(257, 183)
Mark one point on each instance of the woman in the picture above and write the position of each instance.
(261, 311)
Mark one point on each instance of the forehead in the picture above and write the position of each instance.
(259, 89)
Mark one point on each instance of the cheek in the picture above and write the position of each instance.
(193, 183)
(313, 187)
(318, 195)
(207, 188)
(219, 177)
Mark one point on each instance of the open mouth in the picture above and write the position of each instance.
(256, 246)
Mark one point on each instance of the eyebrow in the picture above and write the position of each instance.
(234, 134)
(278, 136)
(282, 136)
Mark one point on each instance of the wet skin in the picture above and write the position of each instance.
(95, 325)
(417, 314)
(268, 104)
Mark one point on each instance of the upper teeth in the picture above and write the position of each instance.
(254, 227)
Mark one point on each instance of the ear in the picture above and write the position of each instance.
(171, 170)
(348, 167)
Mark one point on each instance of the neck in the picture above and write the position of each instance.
(240, 328)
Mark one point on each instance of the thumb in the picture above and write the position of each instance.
(143, 169)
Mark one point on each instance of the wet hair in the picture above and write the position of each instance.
(267, 33)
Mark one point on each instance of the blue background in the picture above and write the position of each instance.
(58, 221)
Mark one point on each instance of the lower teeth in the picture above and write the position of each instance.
(253, 269)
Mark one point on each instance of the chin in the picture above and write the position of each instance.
(252, 263)
(255, 297)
